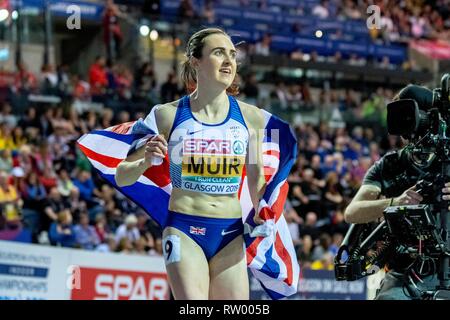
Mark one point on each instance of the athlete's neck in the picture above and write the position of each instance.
(209, 104)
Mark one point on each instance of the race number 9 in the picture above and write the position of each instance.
(171, 248)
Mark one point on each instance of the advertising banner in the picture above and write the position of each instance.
(32, 272)
(36, 272)
(433, 49)
(318, 285)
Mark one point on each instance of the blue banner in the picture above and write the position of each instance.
(252, 24)
(23, 271)
(88, 10)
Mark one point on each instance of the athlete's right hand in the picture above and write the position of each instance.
(156, 147)
(410, 196)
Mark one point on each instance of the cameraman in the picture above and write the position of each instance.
(378, 192)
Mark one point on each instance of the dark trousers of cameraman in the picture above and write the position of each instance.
(396, 286)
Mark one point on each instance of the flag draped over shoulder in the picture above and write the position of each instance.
(270, 252)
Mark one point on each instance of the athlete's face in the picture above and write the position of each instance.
(218, 61)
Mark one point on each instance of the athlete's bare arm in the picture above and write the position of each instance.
(254, 163)
(130, 169)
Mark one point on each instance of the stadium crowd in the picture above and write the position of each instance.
(400, 20)
(48, 187)
(50, 193)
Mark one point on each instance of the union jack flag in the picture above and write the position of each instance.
(197, 230)
(270, 252)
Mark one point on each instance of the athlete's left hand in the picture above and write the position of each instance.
(257, 219)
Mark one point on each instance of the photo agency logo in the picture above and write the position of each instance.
(73, 21)
(73, 277)
(374, 19)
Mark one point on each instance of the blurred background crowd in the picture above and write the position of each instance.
(334, 99)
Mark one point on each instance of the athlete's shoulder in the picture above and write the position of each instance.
(247, 106)
(167, 107)
(165, 115)
(252, 114)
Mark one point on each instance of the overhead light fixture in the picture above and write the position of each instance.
(144, 30)
(4, 14)
(154, 35)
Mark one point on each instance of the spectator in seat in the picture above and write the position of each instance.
(304, 253)
(310, 226)
(321, 10)
(169, 89)
(6, 115)
(81, 88)
(19, 138)
(48, 178)
(85, 234)
(263, 46)
(124, 81)
(324, 263)
(6, 138)
(158, 247)
(30, 119)
(86, 186)
(25, 81)
(62, 230)
(109, 245)
(333, 192)
(10, 202)
(125, 246)
(33, 195)
(208, 14)
(323, 247)
(62, 72)
(42, 158)
(112, 33)
(186, 10)
(64, 184)
(308, 193)
(128, 229)
(101, 227)
(97, 77)
(141, 247)
(53, 206)
(336, 243)
(145, 81)
(49, 80)
(5, 160)
(251, 90)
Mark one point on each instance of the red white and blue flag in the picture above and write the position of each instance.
(197, 230)
(270, 252)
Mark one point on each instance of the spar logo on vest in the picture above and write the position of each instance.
(202, 146)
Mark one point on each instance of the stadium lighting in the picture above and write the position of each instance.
(144, 30)
(154, 35)
(4, 14)
(14, 15)
(319, 34)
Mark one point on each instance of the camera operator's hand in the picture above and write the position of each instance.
(446, 190)
(410, 196)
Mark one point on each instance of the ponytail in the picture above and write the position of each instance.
(188, 76)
